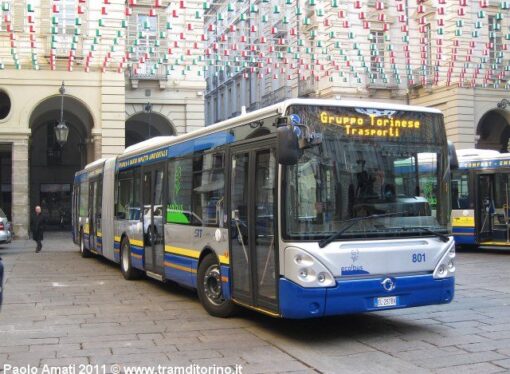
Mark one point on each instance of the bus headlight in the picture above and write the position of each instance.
(305, 270)
(446, 266)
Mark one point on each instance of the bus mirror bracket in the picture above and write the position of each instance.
(452, 156)
(306, 136)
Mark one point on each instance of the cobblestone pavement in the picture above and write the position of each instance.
(61, 309)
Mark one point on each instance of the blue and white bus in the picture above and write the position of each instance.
(481, 198)
(306, 208)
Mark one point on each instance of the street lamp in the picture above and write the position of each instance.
(61, 130)
(148, 109)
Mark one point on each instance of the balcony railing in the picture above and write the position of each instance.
(145, 73)
(280, 94)
(378, 81)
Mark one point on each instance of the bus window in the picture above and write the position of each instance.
(208, 188)
(179, 192)
(127, 205)
(135, 210)
(460, 190)
(84, 199)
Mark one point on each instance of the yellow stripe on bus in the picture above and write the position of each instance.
(193, 253)
(138, 243)
(182, 251)
(503, 244)
(117, 239)
(180, 267)
(136, 255)
(99, 234)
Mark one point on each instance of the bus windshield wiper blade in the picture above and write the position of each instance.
(324, 242)
(444, 238)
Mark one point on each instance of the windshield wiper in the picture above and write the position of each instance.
(444, 238)
(324, 242)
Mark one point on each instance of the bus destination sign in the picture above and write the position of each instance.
(371, 126)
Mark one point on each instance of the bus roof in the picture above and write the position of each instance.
(274, 109)
(95, 164)
(477, 153)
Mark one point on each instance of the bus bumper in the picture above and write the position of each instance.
(358, 296)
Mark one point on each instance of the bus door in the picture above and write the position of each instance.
(98, 208)
(153, 239)
(253, 239)
(92, 237)
(485, 206)
(94, 213)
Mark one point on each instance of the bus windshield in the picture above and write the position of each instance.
(369, 162)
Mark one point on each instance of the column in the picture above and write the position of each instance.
(20, 189)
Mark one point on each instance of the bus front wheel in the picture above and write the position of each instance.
(209, 289)
(84, 252)
(127, 269)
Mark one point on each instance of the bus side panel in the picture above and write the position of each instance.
(180, 260)
(117, 233)
(107, 210)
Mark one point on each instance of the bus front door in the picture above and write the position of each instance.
(253, 241)
(153, 238)
(485, 206)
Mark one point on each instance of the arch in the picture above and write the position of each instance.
(33, 109)
(142, 126)
(52, 167)
(493, 130)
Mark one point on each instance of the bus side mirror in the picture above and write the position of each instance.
(288, 146)
(452, 156)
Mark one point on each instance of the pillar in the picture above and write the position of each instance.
(20, 189)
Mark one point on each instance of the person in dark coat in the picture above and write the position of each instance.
(38, 223)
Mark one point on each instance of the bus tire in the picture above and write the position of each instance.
(127, 269)
(209, 289)
(84, 252)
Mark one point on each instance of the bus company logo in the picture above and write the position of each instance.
(388, 284)
(354, 255)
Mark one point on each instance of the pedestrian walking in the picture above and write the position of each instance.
(38, 223)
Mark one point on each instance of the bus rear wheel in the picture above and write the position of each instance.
(127, 269)
(84, 252)
(209, 289)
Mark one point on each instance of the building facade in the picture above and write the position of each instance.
(121, 87)
(450, 55)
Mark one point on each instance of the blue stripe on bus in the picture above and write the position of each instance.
(177, 150)
(464, 235)
(180, 269)
(116, 252)
(225, 281)
(137, 257)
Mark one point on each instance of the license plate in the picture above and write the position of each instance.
(381, 302)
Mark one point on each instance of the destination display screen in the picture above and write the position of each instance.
(372, 124)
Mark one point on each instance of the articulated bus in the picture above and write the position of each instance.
(306, 208)
(481, 198)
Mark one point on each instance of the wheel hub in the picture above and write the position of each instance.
(212, 285)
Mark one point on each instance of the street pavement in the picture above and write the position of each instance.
(60, 309)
